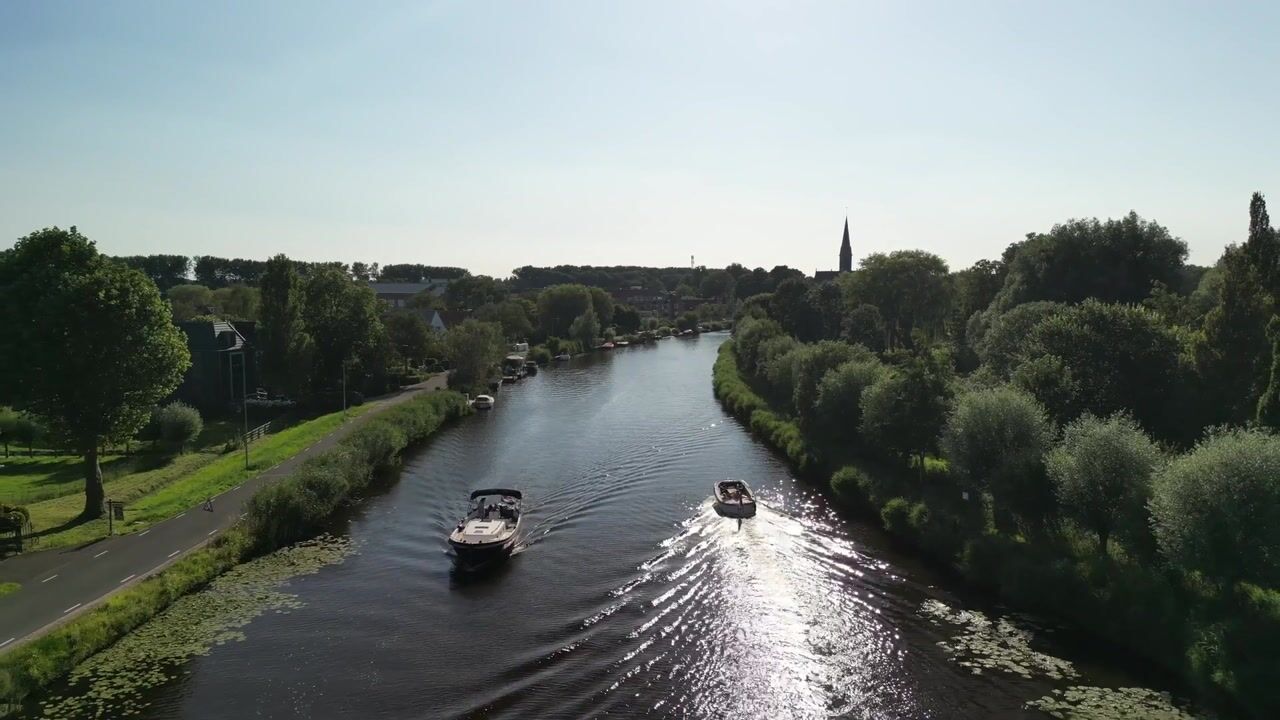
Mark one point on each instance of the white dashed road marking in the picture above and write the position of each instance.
(6, 642)
(48, 578)
(175, 552)
(104, 552)
(212, 532)
(128, 579)
(73, 607)
(182, 515)
(144, 532)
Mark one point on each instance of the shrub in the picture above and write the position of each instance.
(540, 355)
(896, 516)
(1216, 509)
(994, 441)
(178, 424)
(747, 338)
(1101, 473)
(850, 485)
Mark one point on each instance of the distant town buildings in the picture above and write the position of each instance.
(846, 259)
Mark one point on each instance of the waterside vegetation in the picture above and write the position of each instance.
(1083, 427)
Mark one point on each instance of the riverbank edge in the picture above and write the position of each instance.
(304, 501)
(1011, 571)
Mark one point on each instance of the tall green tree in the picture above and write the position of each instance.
(512, 315)
(905, 412)
(237, 302)
(911, 288)
(585, 329)
(1216, 509)
(1112, 261)
(602, 303)
(286, 347)
(1232, 354)
(1101, 473)
(89, 344)
(188, 301)
(342, 318)
(560, 305)
(1263, 246)
(409, 335)
(995, 441)
(472, 291)
(473, 348)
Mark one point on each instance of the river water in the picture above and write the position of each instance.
(629, 597)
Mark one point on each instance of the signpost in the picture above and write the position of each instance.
(115, 511)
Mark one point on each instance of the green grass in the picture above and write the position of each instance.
(26, 480)
(9, 587)
(159, 485)
(229, 471)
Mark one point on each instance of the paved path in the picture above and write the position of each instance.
(59, 584)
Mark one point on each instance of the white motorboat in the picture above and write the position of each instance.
(734, 499)
(489, 530)
(562, 357)
(482, 402)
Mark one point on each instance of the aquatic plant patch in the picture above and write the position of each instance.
(112, 682)
(986, 645)
(1095, 703)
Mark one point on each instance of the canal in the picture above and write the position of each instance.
(629, 597)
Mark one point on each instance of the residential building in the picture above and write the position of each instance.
(398, 294)
(224, 364)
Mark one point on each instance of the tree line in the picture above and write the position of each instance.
(1087, 410)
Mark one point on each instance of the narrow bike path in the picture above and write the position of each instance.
(61, 583)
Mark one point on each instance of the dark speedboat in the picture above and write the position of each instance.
(489, 530)
(734, 499)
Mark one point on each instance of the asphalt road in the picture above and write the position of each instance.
(60, 584)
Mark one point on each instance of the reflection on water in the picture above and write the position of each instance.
(628, 596)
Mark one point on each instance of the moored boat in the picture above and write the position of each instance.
(562, 357)
(489, 530)
(482, 402)
(734, 499)
(530, 367)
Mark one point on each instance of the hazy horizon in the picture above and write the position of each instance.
(492, 136)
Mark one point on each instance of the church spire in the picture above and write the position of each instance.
(846, 251)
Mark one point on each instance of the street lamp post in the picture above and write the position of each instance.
(244, 396)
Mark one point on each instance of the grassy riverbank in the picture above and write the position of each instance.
(153, 487)
(1223, 640)
(285, 512)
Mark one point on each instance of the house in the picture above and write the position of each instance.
(224, 364)
(398, 294)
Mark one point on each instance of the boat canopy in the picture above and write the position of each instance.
(497, 491)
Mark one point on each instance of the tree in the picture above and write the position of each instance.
(864, 326)
(812, 365)
(688, 321)
(792, 306)
(237, 302)
(286, 347)
(342, 318)
(560, 305)
(905, 411)
(627, 319)
(602, 303)
(717, 284)
(1263, 246)
(911, 288)
(414, 272)
(1269, 404)
(364, 272)
(747, 337)
(409, 335)
(1114, 261)
(1216, 509)
(1232, 354)
(1000, 343)
(585, 329)
(188, 301)
(472, 291)
(839, 405)
(994, 442)
(473, 348)
(164, 270)
(511, 315)
(1101, 474)
(1120, 357)
(92, 342)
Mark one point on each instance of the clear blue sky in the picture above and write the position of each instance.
(494, 135)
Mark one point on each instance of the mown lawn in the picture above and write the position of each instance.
(153, 487)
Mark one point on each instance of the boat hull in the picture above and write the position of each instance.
(472, 555)
(735, 510)
(728, 504)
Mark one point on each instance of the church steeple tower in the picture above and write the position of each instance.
(846, 251)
